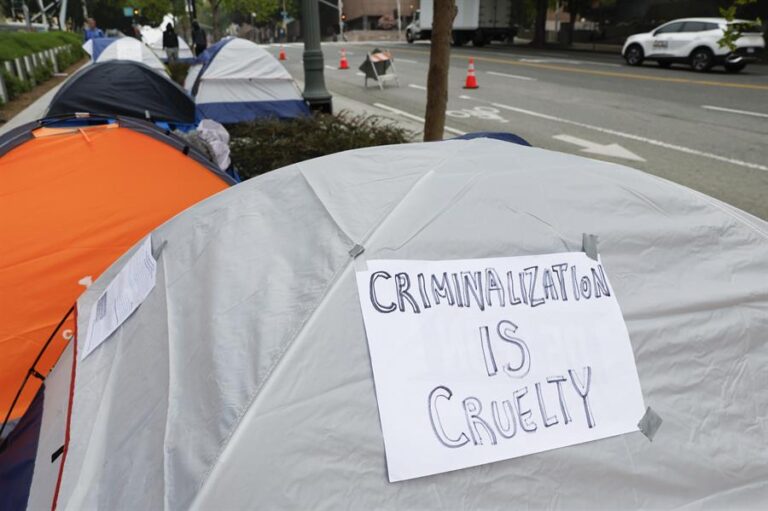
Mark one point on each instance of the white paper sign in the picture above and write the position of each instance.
(483, 360)
(123, 295)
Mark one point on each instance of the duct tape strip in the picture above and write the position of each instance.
(589, 245)
(650, 423)
(356, 251)
(360, 263)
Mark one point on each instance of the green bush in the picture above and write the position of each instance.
(18, 44)
(265, 145)
(69, 56)
(43, 73)
(14, 84)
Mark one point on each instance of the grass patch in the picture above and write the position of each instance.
(260, 146)
(17, 44)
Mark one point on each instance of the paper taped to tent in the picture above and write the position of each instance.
(103, 49)
(245, 375)
(236, 80)
(125, 88)
(74, 199)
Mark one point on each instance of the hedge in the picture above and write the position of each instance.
(260, 146)
(17, 44)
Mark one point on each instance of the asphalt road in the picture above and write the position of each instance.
(708, 131)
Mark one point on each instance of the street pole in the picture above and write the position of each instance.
(315, 93)
(63, 16)
(399, 23)
(341, 21)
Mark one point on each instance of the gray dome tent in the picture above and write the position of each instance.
(244, 379)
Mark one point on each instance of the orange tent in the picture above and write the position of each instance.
(72, 200)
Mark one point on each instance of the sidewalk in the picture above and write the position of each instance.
(33, 112)
(408, 122)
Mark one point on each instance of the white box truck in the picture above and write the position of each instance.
(478, 21)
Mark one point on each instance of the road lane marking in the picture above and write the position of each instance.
(414, 86)
(416, 118)
(611, 150)
(330, 67)
(569, 62)
(595, 72)
(628, 136)
(486, 113)
(360, 74)
(407, 61)
(506, 75)
(734, 111)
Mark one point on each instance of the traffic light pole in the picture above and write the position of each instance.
(315, 93)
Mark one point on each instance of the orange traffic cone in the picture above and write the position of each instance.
(282, 53)
(343, 64)
(471, 82)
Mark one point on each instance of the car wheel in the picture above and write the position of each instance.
(702, 59)
(664, 63)
(735, 68)
(634, 55)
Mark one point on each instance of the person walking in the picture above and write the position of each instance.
(199, 38)
(171, 43)
(91, 30)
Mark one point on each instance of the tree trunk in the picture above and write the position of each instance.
(439, 63)
(215, 20)
(540, 26)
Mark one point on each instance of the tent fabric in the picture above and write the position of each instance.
(104, 49)
(498, 135)
(17, 457)
(124, 88)
(245, 377)
(231, 113)
(153, 38)
(73, 200)
(191, 77)
(236, 80)
(95, 46)
(52, 432)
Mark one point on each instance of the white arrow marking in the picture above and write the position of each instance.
(414, 86)
(610, 150)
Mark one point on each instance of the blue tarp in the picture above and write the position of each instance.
(99, 45)
(17, 457)
(229, 113)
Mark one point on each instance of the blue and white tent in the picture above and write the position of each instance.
(102, 49)
(236, 80)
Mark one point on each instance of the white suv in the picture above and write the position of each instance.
(694, 41)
